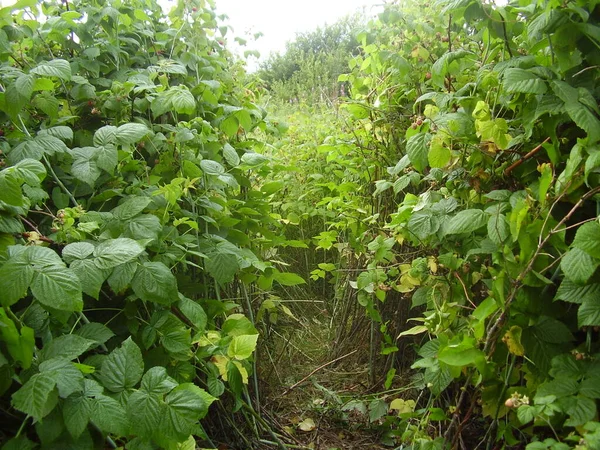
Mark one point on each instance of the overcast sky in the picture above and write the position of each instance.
(280, 20)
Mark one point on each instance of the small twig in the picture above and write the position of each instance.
(516, 164)
(464, 289)
(294, 386)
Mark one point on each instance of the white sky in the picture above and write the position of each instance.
(280, 20)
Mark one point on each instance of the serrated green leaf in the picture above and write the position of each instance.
(10, 189)
(573, 293)
(131, 207)
(105, 136)
(130, 133)
(578, 266)
(107, 157)
(85, 166)
(194, 312)
(222, 267)
(184, 407)
(580, 410)
(181, 99)
(498, 228)
(57, 288)
(121, 276)
(58, 68)
(114, 252)
(77, 250)
(68, 346)
(587, 239)
(122, 368)
(467, 221)
(518, 80)
(96, 332)
(145, 412)
(589, 313)
(108, 414)
(37, 397)
(90, 276)
(157, 381)
(68, 378)
(154, 282)
(417, 149)
(142, 227)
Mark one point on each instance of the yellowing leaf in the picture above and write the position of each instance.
(512, 339)
(221, 362)
(307, 425)
(403, 406)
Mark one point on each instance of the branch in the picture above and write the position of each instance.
(525, 158)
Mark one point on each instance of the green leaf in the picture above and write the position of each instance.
(580, 410)
(85, 164)
(578, 266)
(461, 355)
(181, 99)
(130, 133)
(222, 267)
(19, 443)
(105, 136)
(498, 228)
(154, 282)
(146, 226)
(230, 155)
(131, 207)
(573, 293)
(588, 239)
(184, 407)
(107, 158)
(10, 189)
(194, 312)
(77, 250)
(108, 414)
(96, 332)
(121, 276)
(68, 378)
(254, 159)
(15, 277)
(242, 347)
(590, 388)
(467, 221)
(423, 224)
(58, 68)
(288, 279)
(417, 149)
(212, 167)
(123, 368)
(67, 346)
(37, 397)
(157, 381)
(145, 412)
(90, 276)
(518, 80)
(439, 155)
(58, 288)
(589, 313)
(114, 252)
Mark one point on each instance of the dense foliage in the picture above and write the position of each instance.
(447, 215)
(308, 70)
(131, 216)
(465, 188)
